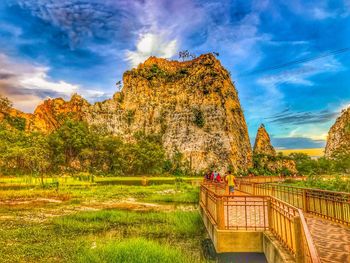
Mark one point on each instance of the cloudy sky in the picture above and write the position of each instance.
(290, 60)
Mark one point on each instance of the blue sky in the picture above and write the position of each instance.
(288, 59)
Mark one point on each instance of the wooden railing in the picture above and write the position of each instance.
(268, 179)
(234, 212)
(259, 213)
(331, 205)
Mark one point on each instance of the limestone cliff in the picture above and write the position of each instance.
(49, 115)
(263, 143)
(338, 141)
(193, 105)
(265, 155)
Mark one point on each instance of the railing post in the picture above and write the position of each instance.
(273, 191)
(269, 214)
(305, 205)
(299, 252)
(206, 199)
(220, 213)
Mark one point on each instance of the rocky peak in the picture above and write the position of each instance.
(263, 143)
(193, 105)
(338, 141)
(48, 116)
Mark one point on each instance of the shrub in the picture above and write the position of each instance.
(198, 117)
(16, 122)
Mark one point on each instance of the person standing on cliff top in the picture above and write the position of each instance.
(230, 180)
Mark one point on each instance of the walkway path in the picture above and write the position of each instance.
(332, 240)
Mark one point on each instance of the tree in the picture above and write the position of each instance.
(305, 165)
(5, 104)
(185, 54)
(38, 154)
(68, 142)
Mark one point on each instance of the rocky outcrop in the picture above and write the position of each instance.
(265, 155)
(193, 105)
(338, 141)
(263, 143)
(51, 113)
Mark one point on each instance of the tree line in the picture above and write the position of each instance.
(76, 147)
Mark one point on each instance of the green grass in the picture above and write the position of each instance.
(134, 251)
(178, 192)
(46, 225)
(70, 238)
(147, 224)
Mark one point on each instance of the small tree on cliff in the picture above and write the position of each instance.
(185, 54)
(5, 104)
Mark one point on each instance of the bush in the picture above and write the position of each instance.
(198, 117)
(16, 122)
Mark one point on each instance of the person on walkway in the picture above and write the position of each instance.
(218, 178)
(215, 175)
(212, 176)
(207, 175)
(230, 180)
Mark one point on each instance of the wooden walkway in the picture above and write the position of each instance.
(251, 209)
(332, 240)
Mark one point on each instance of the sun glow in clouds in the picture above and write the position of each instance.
(152, 45)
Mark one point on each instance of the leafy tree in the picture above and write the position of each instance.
(185, 54)
(5, 104)
(68, 142)
(16, 122)
(305, 165)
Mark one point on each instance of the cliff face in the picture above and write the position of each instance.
(268, 158)
(338, 141)
(193, 105)
(263, 143)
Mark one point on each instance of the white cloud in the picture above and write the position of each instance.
(39, 80)
(320, 13)
(314, 132)
(28, 84)
(163, 27)
(152, 45)
(302, 75)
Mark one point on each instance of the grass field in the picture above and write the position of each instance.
(91, 222)
(315, 152)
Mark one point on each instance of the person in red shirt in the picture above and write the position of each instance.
(218, 178)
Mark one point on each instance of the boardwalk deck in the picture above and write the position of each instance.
(327, 216)
(332, 240)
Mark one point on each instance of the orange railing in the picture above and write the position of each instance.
(259, 213)
(331, 205)
(269, 179)
(233, 212)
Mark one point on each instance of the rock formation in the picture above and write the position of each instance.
(338, 141)
(193, 105)
(266, 157)
(263, 143)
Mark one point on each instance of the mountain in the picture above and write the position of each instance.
(338, 141)
(265, 155)
(193, 105)
(263, 143)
